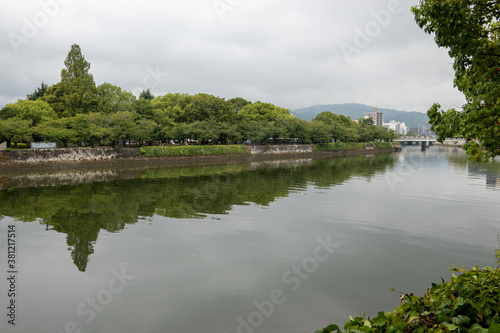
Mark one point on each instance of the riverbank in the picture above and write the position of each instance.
(84, 157)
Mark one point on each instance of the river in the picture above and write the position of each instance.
(283, 246)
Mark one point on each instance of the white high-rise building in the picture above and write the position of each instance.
(398, 127)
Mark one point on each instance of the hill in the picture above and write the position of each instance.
(356, 111)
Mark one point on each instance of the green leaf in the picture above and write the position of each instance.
(331, 328)
(451, 327)
(494, 328)
(380, 320)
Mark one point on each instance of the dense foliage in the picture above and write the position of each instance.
(470, 29)
(339, 146)
(468, 302)
(192, 150)
(76, 111)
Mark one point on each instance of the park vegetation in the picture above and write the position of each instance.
(470, 30)
(77, 112)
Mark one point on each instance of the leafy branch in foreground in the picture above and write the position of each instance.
(469, 302)
(470, 29)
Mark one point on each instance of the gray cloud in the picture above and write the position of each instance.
(286, 52)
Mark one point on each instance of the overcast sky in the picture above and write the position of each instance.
(292, 53)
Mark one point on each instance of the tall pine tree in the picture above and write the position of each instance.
(79, 89)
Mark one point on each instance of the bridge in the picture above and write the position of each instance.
(424, 142)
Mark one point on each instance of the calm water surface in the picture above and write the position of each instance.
(260, 247)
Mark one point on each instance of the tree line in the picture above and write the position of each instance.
(76, 111)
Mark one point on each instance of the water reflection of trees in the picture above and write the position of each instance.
(82, 211)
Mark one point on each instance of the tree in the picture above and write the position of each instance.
(298, 129)
(146, 94)
(38, 92)
(207, 107)
(57, 130)
(320, 132)
(16, 130)
(78, 84)
(470, 30)
(263, 112)
(92, 128)
(327, 117)
(238, 103)
(36, 111)
(171, 106)
(112, 99)
(254, 131)
(123, 126)
(144, 130)
(56, 99)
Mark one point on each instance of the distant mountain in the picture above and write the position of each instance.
(356, 111)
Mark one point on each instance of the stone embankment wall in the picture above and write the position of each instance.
(80, 156)
(284, 149)
(67, 155)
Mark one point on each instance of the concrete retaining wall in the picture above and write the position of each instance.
(283, 149)
(81, 156)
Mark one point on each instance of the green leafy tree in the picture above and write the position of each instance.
(80, 92)
(56, 99)
(91, 128)
(263, 112)
(298, 129)
(36, 111)
(57, 130)
(144, 130)
(123, 126)
(16, 130)
(207, 107)
(144, 108)
(470, 29)
(112, 99)
(38, 93)
(8, 112)
(146, 94)
(238, 103)
(366, 122)
(171, 106)
(327, 117)
(320, 132)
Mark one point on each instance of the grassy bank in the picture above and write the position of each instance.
(468, 302)
(191, 150)
(339, 146)
(382, 144)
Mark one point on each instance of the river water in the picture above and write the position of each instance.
(284, 246)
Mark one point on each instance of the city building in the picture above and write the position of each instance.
(398, 127)
(378, 117)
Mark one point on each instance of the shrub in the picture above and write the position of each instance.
(19, 145)
(192, 150)
(339, 146)
(469, 302)
(382, 144)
